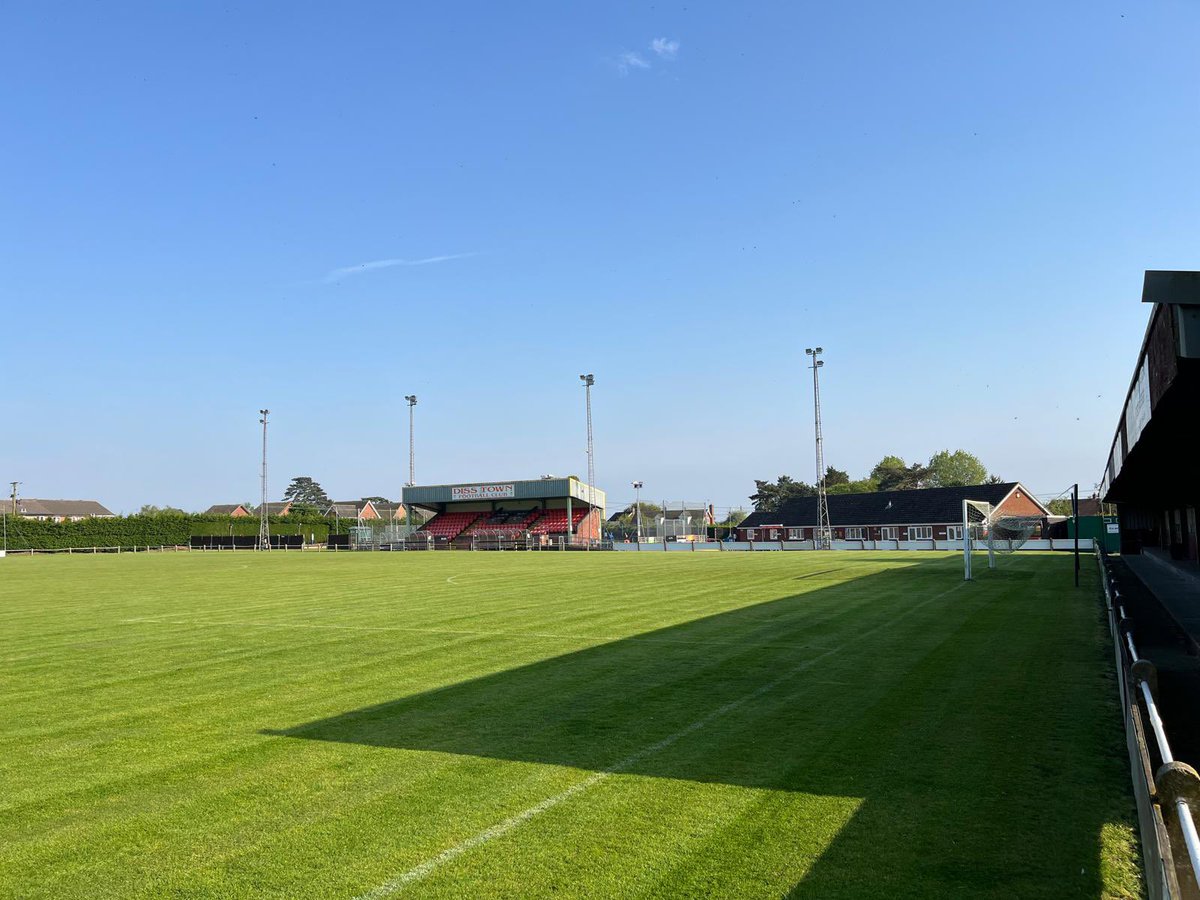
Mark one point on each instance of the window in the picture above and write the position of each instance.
(954, 532)
(795, 534)
(920, 532)
(889, 533)
(854, 534)
(749, 534)
(774, 534)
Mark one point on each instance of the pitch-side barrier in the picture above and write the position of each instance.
(1056, 544)
(1167, 795)
(150, 548)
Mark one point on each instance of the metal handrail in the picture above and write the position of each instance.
(1187, 824)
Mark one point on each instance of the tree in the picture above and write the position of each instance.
(376, 500)
(304, 490)
(151, 510)
(889, 473)
(735, 517)
(915, 476)
(1060, 506)
(835, 477)
(955, 469)
(862, 486)
(650, 511)
(768, 497)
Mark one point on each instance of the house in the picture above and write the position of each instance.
(388, 510)
(683, 520)
(351, 509)
(236, 510)
(384, 510)
(927, 514)
(280, 508)
(62, 510)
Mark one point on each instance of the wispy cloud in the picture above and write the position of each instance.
(630, 60)
(361, 268)
(665, 48)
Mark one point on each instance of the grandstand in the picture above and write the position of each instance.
(537, 513)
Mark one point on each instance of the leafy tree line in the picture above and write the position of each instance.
(945, 469)
(305, 492)
(1061, 506)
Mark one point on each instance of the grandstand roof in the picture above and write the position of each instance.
(922, 506)
(530, 489)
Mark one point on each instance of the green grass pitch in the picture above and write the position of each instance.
(823, 725)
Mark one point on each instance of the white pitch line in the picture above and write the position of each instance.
(451, 580)
(421, 871)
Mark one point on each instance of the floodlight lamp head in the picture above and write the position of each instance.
(637, 485)
(588, 380)
(411, 398)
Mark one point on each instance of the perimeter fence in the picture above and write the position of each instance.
(1166, 790)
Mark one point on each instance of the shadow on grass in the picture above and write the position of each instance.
(935, 716)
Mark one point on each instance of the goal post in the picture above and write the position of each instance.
(976, 516)
(983, 523)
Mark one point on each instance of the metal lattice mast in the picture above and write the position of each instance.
(823, 538)
(412, 455)
(588, 381)
(264, 533)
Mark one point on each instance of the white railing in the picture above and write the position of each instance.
(1171, 775)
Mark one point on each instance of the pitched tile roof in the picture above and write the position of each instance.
(223, 509)
(275, 507)
(65, 508)
(923, 506)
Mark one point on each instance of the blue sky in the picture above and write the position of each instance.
(956, 201)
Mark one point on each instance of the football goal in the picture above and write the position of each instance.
(983, 526)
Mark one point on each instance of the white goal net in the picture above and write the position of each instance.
(983, 526)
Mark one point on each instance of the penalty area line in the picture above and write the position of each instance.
(415, 874)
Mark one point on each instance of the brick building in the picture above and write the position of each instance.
(926, 514)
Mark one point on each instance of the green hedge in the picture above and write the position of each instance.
(318, 529)
(141, 531)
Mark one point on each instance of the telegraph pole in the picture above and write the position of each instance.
(823, 538)
(637, 486)
(1075, 516)
(14, 514)
(412, 464)
(588, 381)
(264, 532)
